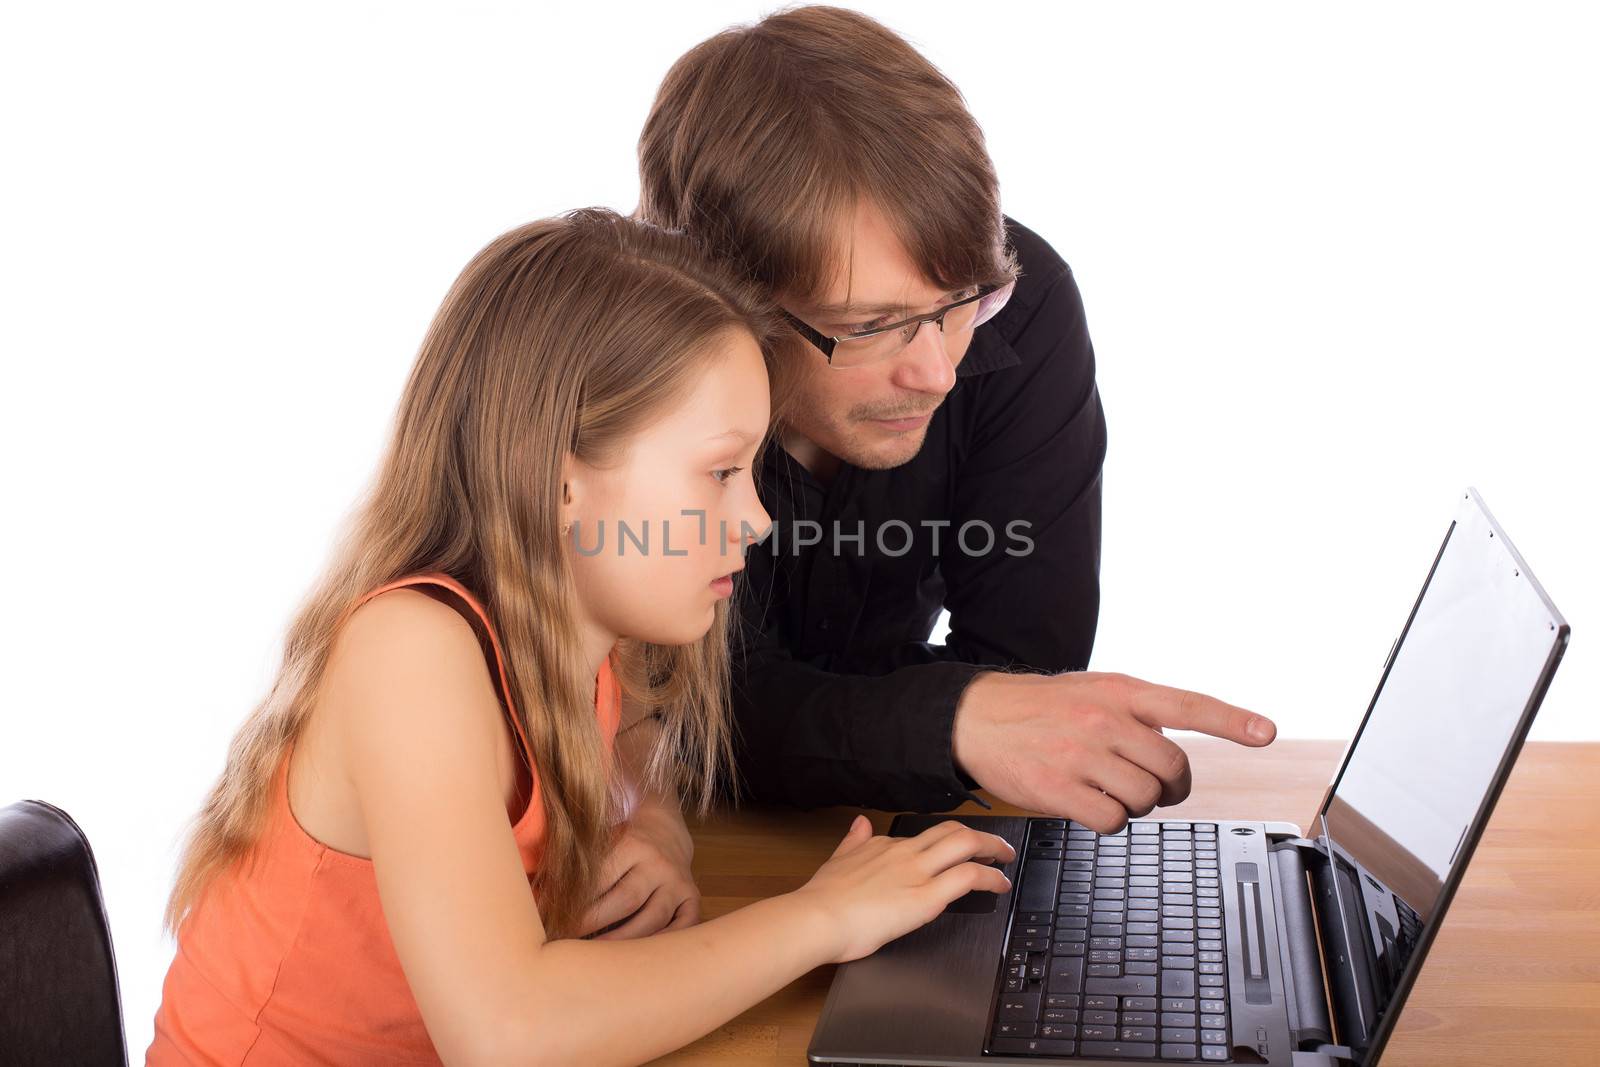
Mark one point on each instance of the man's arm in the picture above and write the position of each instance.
(883, 737)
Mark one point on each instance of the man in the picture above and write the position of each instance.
(941, 444)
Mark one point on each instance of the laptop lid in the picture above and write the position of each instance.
(1421, 776)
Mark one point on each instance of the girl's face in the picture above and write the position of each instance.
(656, 536)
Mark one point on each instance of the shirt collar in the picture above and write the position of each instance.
(989, 351)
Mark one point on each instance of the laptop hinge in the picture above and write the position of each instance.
(1324, 1056)
(1346, 949)
(1304, 989)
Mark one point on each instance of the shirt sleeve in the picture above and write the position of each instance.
(807, 737)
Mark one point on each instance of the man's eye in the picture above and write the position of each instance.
(726, 474)
(867, 327)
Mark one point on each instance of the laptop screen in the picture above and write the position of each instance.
(1451, 708)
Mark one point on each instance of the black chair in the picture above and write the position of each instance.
(59, 1002)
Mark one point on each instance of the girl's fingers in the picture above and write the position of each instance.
(651, 916)
(963, 878)
(938, 832)
(968, 844)
(688, 914)
(618, 902)
(860, 830)
(618, 862)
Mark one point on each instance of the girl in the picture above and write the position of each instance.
(411, 827)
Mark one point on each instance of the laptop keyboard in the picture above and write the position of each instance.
(1116, 946)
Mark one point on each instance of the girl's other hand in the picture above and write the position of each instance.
(649, 885)
(874, 889)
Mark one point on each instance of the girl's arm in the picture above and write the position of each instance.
(418, 726)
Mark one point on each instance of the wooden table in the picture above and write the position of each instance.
(1513, 977)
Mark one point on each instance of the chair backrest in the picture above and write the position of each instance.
(59, 1002)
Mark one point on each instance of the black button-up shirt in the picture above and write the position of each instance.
(838, 696)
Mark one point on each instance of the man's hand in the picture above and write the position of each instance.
(1088, 746)
(647, 878)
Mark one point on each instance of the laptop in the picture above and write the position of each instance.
(1225, 940)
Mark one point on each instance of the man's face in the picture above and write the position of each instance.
(873, 416)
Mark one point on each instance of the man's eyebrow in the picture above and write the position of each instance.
(873, 309)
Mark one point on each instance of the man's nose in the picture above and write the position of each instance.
(925, 364)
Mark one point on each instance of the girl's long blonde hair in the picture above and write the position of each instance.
(562, 336)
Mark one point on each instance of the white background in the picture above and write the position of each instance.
(1338, 264)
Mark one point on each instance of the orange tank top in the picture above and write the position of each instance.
(287, 960)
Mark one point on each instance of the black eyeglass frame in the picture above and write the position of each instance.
(827, 344)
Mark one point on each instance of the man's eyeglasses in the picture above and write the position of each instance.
(865, 346)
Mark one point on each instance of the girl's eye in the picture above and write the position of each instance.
(726, 474)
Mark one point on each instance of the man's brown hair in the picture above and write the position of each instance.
(764, 137)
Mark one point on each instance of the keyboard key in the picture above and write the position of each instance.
(1214, 1022)
(1061, 1000)
(1177, 983)
(1130, 1050)
(1138, 1033)
(1177, 1052)
(1059, 1015)
(1058, 1031)
(1018, 1006)
(1214, 1037)
(1216, 1053)
(1132, 985)
(1031, 1046)
(1139, 1004)
(1099, 1033)
(1177, 1004)
(1138, 1018)
(1214, 1007)
(1100, 1018)
(1139, 967)
(1005, 1029)
(1186, 1035)
(1066, 975)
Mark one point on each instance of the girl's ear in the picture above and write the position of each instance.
(569, 493)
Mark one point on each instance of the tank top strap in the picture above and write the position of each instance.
(441, 579)
(608, 690)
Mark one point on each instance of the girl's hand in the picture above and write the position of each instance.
(874, 889)
(649, 884)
